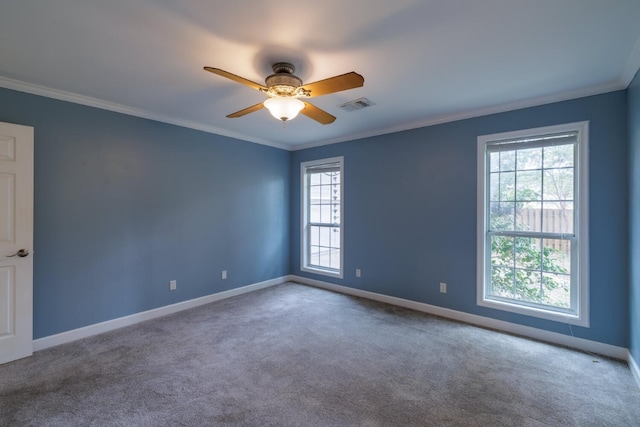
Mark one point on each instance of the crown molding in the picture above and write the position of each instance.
(61, 95)
(631, 67)
(485, 111)
(632, 64)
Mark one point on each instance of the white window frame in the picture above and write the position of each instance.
(580, 313)
(305, 226)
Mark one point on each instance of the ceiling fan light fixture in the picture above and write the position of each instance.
(283, 108)
(284, 88)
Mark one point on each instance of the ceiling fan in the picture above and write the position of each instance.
(285, 89)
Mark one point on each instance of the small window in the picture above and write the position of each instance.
(322, 233)
(532, 222)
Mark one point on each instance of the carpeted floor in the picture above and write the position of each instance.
(293, 355)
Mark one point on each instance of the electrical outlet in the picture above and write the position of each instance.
(358, 272)
(224, 274)
(443, 288)
(172, 285)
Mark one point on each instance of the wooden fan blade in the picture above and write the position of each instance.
(317, 114)
(246, 111)
(252, 85)
(335, 84)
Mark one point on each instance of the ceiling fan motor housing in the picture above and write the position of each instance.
(283, 82)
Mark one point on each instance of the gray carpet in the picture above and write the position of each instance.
(292, 355)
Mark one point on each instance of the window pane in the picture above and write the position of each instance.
(529, 185)
(507, 186)
(529, 217)
(502, 251)
(335, 259)
(557, 217)
(314, 236)
(494, 161)
(529, 159)
(314, 179)
(325, 257)
(502, 284)
(528, 253)
(528, 286)
(501, 216)
(558, 156)
(494, 187)
(507, 160)
(314, 213)
(335, 193)
(314, 194)
(314, 255)
(558, 184)
(556, 256)
(325, 214)
(335, 238)
(556, 290)
(325, 193)
(335, 212)
(325, 178)
(325, 236)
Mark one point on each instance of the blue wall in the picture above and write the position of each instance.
(410, 212)
(634, 216)
(123, 205)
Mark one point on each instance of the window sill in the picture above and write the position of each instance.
(541, 313)
(323, 272)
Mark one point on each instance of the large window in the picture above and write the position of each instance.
(532, 222)
(322, 234)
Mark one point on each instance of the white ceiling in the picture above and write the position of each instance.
(424, 61)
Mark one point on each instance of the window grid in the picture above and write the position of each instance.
(526, 283)
(532, 222)
(322, 228)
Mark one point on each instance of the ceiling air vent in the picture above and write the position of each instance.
(357, 104)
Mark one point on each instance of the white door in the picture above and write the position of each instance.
(16, 242)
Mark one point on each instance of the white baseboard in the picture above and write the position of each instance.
(633, 366)
(526, 331)
(110, 325)
(474, 319)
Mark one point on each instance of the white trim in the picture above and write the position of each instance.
(631, 67)
(608, 350)
(123, 109)
(633, 366)
(582, 192)
(304, 215)
(110, 325)
(478, 112)
(634, 61)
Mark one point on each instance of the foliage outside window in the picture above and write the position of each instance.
(322, 234)
(532, 222)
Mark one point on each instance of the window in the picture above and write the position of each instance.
(532, 222)
(322, 234)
